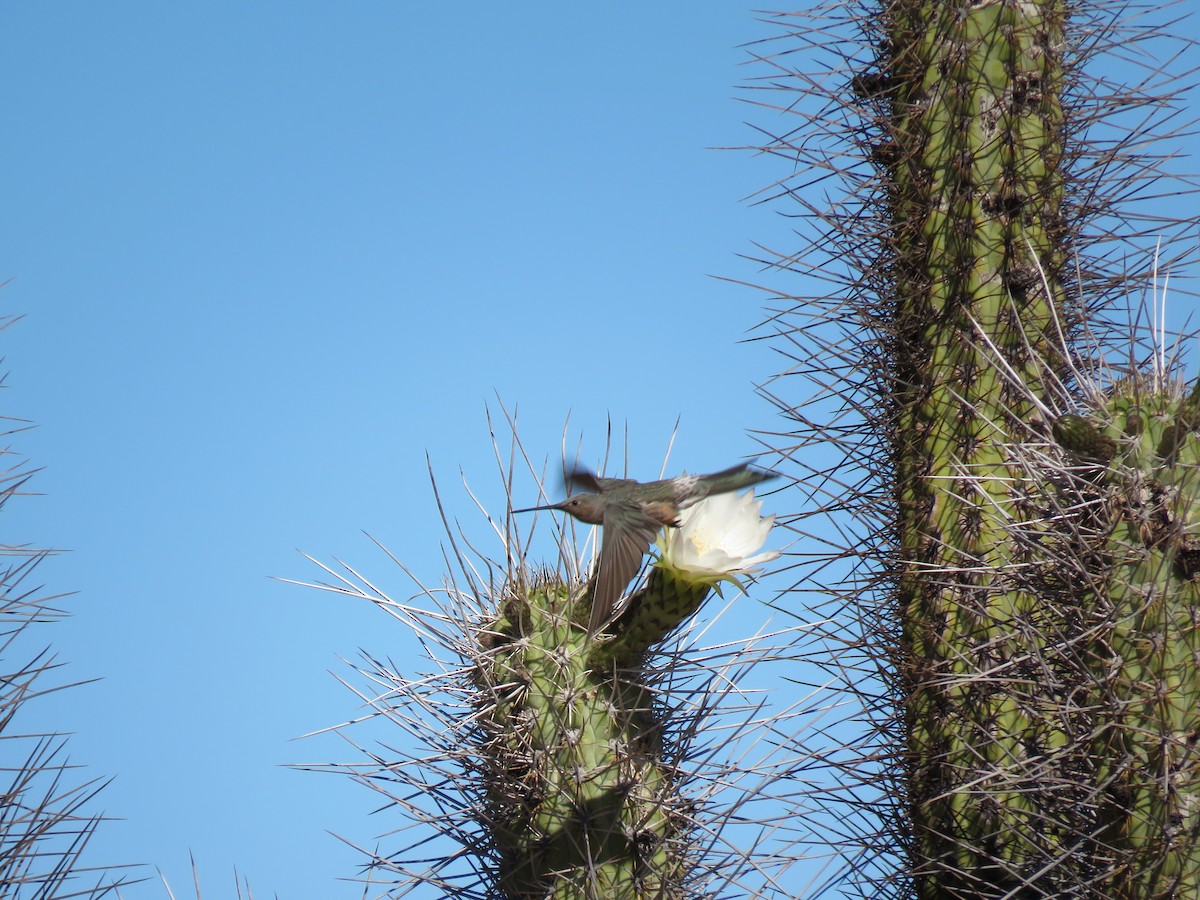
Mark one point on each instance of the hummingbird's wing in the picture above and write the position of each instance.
(583, 478)
(628, 532)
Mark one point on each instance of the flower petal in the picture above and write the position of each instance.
(718, 537)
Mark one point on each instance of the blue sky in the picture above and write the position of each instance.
(272, 256)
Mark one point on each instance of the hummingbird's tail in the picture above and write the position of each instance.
(735, 478)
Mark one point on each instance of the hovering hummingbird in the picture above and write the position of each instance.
(632, 513)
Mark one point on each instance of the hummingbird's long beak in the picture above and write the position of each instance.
(536, 508)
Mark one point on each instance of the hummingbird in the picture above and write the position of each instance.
(632, 512)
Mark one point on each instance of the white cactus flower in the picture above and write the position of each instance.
(718, 539)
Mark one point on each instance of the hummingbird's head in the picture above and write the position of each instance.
(584, 507)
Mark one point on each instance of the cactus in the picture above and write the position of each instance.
(1146, 652)
(582, 801)
(975, 205)
(1023, 660)
(565, 764)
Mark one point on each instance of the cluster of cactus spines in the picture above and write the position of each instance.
(551, 763)
(45, 823)
(982, 543)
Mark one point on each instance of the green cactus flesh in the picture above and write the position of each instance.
(651, 614)
(582, 803)
(1147, 659)
(975, 125)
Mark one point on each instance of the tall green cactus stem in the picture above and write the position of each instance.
(990, 163)
(1147, 743)
(974, 149)
(582, 802)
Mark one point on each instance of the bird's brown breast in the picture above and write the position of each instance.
(663, 511)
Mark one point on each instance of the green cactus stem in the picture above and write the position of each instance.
(652, 613)
(1005, 562)
(582, 801)
(1147, 660)
(975, 122)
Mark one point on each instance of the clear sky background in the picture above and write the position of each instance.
(274, 254)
